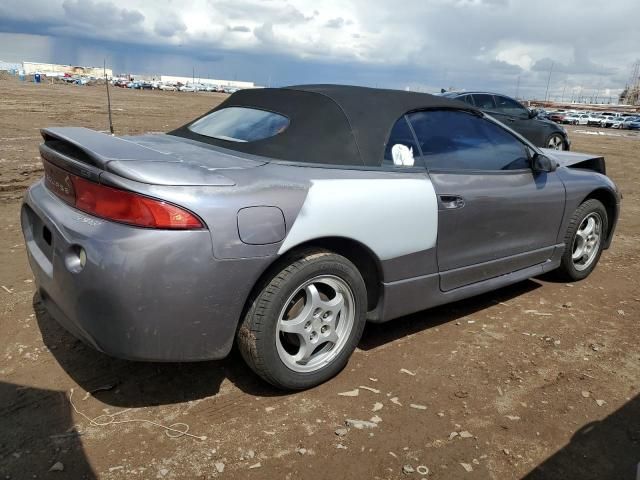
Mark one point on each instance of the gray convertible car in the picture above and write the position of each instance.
(286, 218)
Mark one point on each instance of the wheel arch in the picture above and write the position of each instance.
(608, 199)
(365, 260)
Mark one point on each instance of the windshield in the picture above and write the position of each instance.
(240, 124)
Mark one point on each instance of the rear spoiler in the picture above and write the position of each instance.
(93, 148)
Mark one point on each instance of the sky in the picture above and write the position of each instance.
(506, 46)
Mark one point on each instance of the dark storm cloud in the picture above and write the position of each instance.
(101, 14)
(581, 65)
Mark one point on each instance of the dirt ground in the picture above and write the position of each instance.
(538, 380)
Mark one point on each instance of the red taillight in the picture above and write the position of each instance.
(115, 204)
(127, 207)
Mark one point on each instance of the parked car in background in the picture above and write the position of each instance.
(541, 132)
(576, 119)
(619, 122)
(623, 122)
(173, 247)
(634, 124)
(540, 113)
(608, 121)
(167, 87)
(556, 117)
(187, 88)
(594, 119)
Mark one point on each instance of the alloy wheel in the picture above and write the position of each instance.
(586, 242)
(315, 323)
(556, 142)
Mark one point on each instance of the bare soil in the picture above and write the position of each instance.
(538, 380)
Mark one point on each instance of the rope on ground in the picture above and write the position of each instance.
(175, 430)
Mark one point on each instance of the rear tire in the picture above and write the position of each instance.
(305, 320)
(584, 241)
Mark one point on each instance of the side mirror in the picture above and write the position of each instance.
(533, 113)
(542, 163)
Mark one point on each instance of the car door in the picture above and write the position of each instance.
(495, 214)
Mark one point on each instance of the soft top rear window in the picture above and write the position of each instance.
(240, 124)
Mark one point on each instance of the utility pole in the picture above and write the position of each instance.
(546, 93)
(106, 82)
(193, 77)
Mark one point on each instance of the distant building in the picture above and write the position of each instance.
(51, 69)
(205, 81)
(9, 66)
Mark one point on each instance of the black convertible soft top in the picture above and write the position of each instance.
(329, 124)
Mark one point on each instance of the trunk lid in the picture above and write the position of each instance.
(156, 159)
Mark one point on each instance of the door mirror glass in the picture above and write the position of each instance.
(533, 113)
(542, 163)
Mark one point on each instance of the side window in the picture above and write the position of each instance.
(401, 149)
(456, 140)
(484, 101)
(510, 107)
(467, 99)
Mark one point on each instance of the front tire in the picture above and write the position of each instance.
(305, 320)
(584, 240)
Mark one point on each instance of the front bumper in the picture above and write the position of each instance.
(143, 294)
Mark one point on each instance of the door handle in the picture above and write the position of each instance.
(451, 201)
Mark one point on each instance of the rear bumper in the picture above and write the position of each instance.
(143, 294)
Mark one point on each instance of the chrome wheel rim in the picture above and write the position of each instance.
(556, 142)
(315, 323)
(586, 241)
